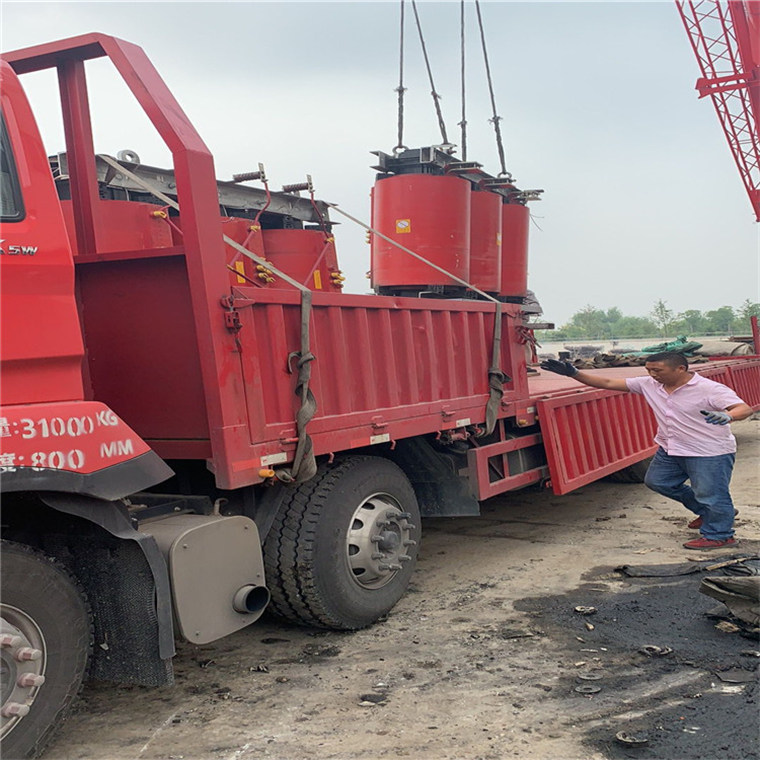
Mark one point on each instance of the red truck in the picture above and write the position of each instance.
(196, 422)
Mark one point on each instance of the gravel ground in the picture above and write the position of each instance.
(482, 658)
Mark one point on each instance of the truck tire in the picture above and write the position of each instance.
(634, 473)
(343, 545)
(47, 638)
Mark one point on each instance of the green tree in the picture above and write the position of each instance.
(589, 322)
(634, 327)
(744, 312)
(690, 322)
(613, 315)
(662, 316)
(720, 320)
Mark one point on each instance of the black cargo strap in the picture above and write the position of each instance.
(496, 377)
(304, 463)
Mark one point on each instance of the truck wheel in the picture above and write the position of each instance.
(46, 636)
(343, 545)
(635, 473)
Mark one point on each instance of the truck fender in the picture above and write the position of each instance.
(112, 517)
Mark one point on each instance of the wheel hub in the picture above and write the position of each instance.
(22, 666)
(377, 541)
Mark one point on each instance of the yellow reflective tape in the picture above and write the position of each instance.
(317, 279)
(240, 266)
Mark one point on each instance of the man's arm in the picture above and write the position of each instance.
(732, 414)
(739, 411)
(595, 381)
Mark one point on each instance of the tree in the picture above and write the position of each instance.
(634, 327)
(662, 316)
(745, 311)
(690, 322)
(589, 322)
(720, 320)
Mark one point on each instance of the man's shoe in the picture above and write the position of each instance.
(697, 524)
(708, 543)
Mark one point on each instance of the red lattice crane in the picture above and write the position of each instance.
(725, 37)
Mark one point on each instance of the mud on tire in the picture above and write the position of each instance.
(343, 545)
(43, 610)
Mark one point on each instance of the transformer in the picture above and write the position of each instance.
(308, 256)
(485, 241)
(430, 215)
(515, 219)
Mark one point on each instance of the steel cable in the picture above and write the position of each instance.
(463, 123)
(436, 96)
(496, 118)
(401, 89)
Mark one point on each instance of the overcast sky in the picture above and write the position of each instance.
(642, 198)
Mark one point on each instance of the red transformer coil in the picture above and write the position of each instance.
(514, 249)
(428, 214)
(485, 241)
(305, 255)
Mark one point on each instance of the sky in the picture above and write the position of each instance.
(642, 200)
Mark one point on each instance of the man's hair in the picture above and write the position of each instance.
(673, 359)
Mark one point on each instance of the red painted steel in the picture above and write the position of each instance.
(249, 235)
(514, 249)
(45, 422)
(412, 367)
(745, 380)
(428, 214)
(39, 326)
(121, 226)
(485, 241)
(591, 433)
(725, 38)
(142, 348)
(486, 486)
(205, 254)
(308, 256)
(78, 436)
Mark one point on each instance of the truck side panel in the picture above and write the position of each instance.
(591, 434)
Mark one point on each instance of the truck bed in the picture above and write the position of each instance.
(386, 369)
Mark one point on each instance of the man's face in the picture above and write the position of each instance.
(664, 373)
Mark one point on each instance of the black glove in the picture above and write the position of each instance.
(560, 368)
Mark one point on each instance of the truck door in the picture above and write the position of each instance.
(39, 325)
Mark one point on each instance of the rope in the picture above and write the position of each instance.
(496, 377)
(401, 89)
(304, 463)
(463, 123)
(496, 118)
(436, 96)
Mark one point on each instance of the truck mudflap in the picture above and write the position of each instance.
(78, 447)
(588, 435)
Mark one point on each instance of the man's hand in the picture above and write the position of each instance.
(717, 418)
(560, 368)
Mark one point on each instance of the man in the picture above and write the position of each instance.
(695, 441)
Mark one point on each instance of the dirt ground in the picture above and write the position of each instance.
(481, 660)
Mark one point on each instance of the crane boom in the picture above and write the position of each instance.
(725, 37)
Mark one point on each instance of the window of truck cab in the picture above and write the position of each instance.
(11, 202)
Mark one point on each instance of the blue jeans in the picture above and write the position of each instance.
(708, 494)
